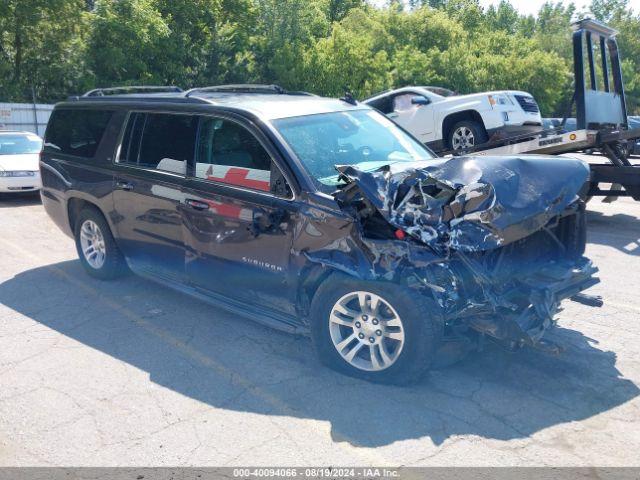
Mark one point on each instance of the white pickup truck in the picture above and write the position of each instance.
(443, 120)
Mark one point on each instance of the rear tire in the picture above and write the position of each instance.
(466, 134)
(392, 339)
(97, 249)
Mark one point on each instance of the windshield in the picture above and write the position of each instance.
(362, 137)
(19, 143)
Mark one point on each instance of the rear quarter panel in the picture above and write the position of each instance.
(67, 177)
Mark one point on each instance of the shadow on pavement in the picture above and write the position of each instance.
(620, 231)
(230, 363)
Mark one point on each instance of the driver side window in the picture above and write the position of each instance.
(408, 102)
(402, 102)
(229, 153)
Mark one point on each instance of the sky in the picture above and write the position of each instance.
(533, 6)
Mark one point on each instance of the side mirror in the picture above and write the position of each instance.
(419, 100)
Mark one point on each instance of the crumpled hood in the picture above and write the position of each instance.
(471, 203)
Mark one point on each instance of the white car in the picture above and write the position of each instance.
(443, 120)
(19, 162)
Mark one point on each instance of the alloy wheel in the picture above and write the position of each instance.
(462, 138)
(92, 243)
(366, 331)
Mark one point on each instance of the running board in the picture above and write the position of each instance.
(267, 317)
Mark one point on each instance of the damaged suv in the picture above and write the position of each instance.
(318, 216)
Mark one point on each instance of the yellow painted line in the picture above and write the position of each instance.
(234, 378)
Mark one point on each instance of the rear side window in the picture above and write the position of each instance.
(76, 132)
(159, 141)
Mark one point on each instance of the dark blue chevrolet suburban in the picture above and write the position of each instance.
(318, 216)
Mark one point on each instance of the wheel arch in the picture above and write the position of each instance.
(313, 276)
(74, 207)
(450, 120)
(76, 203)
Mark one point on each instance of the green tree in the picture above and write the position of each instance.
(424, 29)
(125, 43)
(351, 59)
(609, 10)
(338, 9)
(208, 40)
(41, 48)
(504, 17)
(468, 12)
(231, 52)
(286, 28)
(553, 28)
(191, 27)
(325, 46)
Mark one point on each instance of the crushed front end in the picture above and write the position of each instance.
(512, 293)
(498, 242)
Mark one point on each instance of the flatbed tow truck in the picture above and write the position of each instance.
(601, 116)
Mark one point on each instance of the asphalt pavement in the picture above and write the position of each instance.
(130, 373)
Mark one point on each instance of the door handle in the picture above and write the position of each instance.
(124, 185)
(197, 204)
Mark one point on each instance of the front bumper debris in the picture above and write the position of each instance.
(545, 290)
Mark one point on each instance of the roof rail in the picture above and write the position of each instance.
(101, 92)
(159, 99)
(244, 88)
(238, 88)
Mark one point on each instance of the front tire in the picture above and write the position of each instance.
(97, 249)
(376, 331)
(466, 134)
